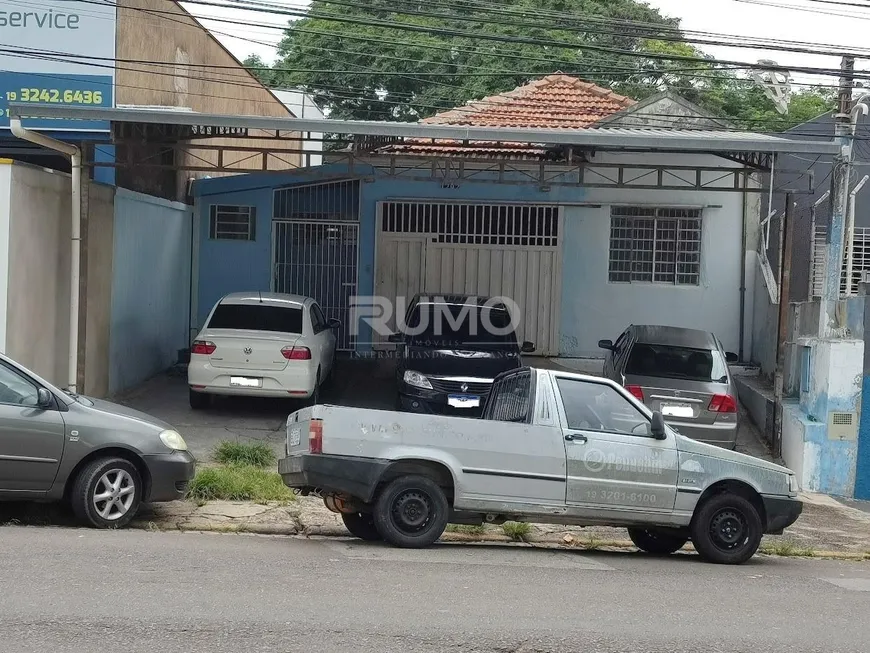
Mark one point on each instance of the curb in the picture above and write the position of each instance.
(545, 542)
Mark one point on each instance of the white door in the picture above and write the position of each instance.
(505, 250)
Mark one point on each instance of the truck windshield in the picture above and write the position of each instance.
(460, 324)
(673, 362)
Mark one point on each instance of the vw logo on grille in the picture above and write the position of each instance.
(248, 351)
(464, 387)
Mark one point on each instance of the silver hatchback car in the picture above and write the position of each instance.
(682, 373)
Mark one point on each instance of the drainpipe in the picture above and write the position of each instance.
(75, 155)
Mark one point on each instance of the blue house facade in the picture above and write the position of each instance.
(581, 263)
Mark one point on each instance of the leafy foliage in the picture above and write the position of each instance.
(348, 56)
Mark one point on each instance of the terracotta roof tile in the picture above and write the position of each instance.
(554, 102)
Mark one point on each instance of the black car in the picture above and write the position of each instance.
(451, 347)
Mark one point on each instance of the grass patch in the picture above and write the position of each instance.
(788, 550)
(239, 483)
(466, 529)
(593, 543)
(242, 453)
(518, 531)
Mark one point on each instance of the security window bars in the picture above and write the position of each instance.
(655, 245)
(232, 222)
(475, 224)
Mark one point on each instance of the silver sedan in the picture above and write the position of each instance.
(683, 374)
(103, 458)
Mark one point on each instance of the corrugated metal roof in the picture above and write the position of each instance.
(601, 138)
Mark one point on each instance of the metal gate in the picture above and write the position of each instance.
(479, 249)
(319, 260)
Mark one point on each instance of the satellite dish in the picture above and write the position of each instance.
(775, 83)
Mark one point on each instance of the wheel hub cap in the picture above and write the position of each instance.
(411, 511)
(113, 494)
(728, 529)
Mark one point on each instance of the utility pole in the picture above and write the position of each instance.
(843, 136)
(786, 246)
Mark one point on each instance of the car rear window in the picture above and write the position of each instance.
(673, 362)
(459, 324)
(255, 317)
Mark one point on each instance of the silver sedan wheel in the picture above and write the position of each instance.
(114, 494)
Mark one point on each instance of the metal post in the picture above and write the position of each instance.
(813, 208)
(850, 236)
(839, 189)
(786, 244)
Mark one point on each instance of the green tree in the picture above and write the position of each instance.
(370, 70)
(349, 56)
(259, 69)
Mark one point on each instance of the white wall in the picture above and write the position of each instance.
(5, 206)
(594, 309)
(150, 287)
(37, 324)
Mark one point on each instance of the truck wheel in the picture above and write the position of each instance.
(726, 529)
(107, 493)
(411, 512)
(361, 525)
(656, 542)
(199, 400)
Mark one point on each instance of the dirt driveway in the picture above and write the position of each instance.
(358, 382)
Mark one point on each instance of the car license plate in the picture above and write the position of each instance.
(676, 410)
(245, 382)
(463, 401)
(295, 436)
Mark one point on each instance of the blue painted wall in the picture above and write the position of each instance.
(862, 463)
(591, 307)
(150, 287)
(251, 261)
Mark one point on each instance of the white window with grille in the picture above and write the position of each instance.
(655, 245)
(232, 222)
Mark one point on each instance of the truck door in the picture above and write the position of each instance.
(614, 465)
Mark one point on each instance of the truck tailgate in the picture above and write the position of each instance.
(299, 428)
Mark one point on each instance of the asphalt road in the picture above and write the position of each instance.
(70, 590)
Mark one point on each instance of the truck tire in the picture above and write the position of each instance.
(726, 529)
(411, 512)
(656, 542)
(107, 493)
(361, 525)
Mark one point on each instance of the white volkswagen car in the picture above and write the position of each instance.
(262, 345)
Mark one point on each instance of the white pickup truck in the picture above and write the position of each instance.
(551, 447)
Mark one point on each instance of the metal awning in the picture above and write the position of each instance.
(602, 138)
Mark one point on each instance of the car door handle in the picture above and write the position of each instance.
(576, 437)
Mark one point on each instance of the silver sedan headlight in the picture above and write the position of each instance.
(173, 440)
(417, 380)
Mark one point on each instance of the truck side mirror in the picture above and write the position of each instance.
(731, 357)
(606, 344)
(657, 426)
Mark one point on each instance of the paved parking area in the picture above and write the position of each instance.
(358, 382)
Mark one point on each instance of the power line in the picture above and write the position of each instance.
(341, 91)
(669, 35)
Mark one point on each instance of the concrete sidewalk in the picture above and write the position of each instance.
(827, 527)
